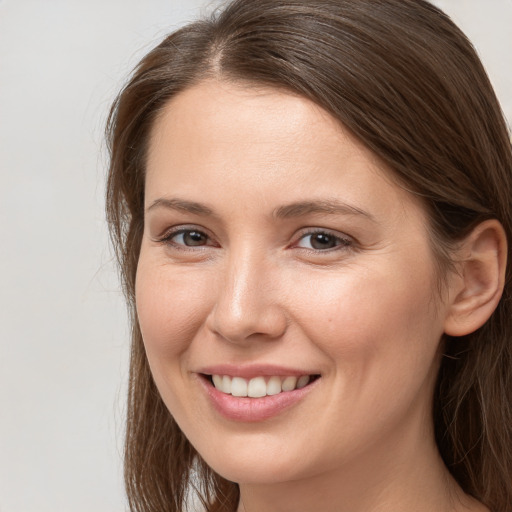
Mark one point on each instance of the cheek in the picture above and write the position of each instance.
(171, 308)
(375, 320)
(380, 331)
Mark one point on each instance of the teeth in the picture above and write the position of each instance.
(226, 384)
(217, 381)
(238, 386)
(289, 383)
(258, 386)
(274, 386)
(303, 381)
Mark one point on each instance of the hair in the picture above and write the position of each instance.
(409, 85)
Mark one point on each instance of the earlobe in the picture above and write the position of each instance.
(478, 287)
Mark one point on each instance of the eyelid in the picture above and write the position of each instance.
(346, 240)
(168, 234)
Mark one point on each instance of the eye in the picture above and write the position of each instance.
(187, 238)
(322, 241)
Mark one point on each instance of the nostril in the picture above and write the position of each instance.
(265, 322)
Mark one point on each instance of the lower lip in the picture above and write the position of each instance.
(254, 409)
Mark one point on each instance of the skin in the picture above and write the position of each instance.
(364, 314)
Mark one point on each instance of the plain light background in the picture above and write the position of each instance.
(63, 328)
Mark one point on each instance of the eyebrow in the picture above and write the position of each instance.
(329, 207)
(292, 210)
(182, 205)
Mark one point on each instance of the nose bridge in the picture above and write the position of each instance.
(247, 303)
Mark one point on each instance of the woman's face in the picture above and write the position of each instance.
(278, 253)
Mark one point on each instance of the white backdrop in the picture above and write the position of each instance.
(63, 332)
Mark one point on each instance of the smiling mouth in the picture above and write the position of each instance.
(259, 387)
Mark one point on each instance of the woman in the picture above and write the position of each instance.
(310, 203)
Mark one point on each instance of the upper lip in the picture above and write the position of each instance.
(250, 371)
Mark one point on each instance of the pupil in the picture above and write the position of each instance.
(322, 241)
(194, 238)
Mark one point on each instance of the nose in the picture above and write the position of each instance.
(247, 305)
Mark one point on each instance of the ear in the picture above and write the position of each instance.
(477, 287)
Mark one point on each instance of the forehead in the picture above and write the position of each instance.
(243, 115)
(218, 137)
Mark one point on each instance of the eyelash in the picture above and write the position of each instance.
(340, 242)
(168, 238)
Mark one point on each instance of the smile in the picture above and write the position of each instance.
(258, 398)
(259, 387)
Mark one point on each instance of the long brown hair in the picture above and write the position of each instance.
(404, 80)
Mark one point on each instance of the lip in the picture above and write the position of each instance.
(251, 410)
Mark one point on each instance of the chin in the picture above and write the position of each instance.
(256, 474)
(260, 465)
